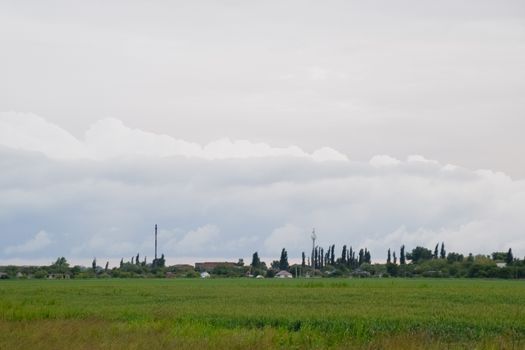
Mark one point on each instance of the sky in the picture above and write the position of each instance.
(239, 126)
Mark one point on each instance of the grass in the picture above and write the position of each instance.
(243, 313)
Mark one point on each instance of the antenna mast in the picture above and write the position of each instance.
(314, 237)
(155, 242)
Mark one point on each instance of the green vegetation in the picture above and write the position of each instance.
(271, 313)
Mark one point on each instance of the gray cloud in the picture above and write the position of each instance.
(230, 207)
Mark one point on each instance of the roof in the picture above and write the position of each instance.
(283, 273)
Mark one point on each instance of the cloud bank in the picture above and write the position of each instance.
(110, 138)
(101, 196)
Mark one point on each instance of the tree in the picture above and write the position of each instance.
(453, 257)
(395, 258)
(107, 266)
(402, 259)
(435, 256)
(419, 254)
(60, 265)
(303, 262)
(122, 263)
(283, 261)
(137, 259)
(332, 262)
(442, 253)
(162, 261)
(256, 262)
(94, 264)
(509, 258)
(367, 257)
(343, 255)
(388, 260)
(361, 256)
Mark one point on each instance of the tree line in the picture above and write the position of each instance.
(418, 262)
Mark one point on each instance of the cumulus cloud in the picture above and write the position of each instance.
(31, 132)
(284, 236)
(230, 207)
(199, 240)
(110, 138)
(40, 241)
(383, 160)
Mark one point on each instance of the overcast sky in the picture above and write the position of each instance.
(238, 126)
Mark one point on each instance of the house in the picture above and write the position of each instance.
(58, 276)
(360, 273)
(283, 274)
(501, 265)
(3, 276)
(205, 275)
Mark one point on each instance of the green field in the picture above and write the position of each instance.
(249, 313)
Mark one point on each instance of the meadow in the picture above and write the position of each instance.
(259, 314)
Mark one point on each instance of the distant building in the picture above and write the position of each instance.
(205, 274)
(3, 276)
(58, 276)
(183, 267)
(209, 266)
(283, 274)
(501, 265)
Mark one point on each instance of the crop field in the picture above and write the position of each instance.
(259, 314)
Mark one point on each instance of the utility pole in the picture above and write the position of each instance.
(155, 243)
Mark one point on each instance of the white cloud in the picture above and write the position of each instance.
(203, 239)
(383, 160)
(110, 138)
(40, 241)
(286, 236)
(30, 132)
(416, 158)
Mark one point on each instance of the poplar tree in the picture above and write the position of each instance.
(509, 258)
(388, 261)
(283, 262)
(442, 253)
(402, 259)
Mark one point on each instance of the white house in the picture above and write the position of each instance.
(283, 274)
(205, 274)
